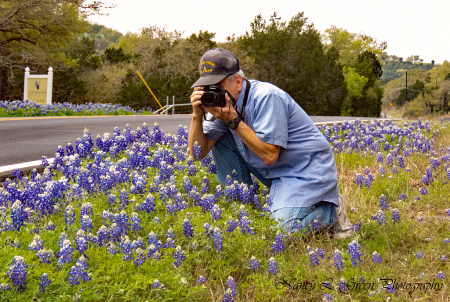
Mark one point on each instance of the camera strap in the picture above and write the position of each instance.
(247, 90)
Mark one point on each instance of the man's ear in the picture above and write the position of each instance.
(239, 82)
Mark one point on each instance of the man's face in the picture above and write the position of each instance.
(234, 88)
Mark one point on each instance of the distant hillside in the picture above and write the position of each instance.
(395, 69)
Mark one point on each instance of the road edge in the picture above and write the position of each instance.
(7, 171)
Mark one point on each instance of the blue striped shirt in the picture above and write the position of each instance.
(305, 172)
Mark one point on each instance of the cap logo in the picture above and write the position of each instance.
(204, 68)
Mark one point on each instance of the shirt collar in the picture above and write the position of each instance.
(240, 100)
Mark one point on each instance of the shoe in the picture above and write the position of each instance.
(343, 228)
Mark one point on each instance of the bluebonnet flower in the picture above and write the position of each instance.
(219, 191)
(233, 173)
(44, 255)
(4, 286)
(394, 169)
(126, 246)
(188, 230)
(17, 273)
(178, 256)
(140, 259)
(396, 215)
(320, 253)
(36, 244)
(65, 253)
(402, 196)
(245, 194)
(278, 244)
(419, 255)
(86, 209)
(244, 223)
(216, 212)
(327, 297)
(254, 263)
(213, 168)
(342, 286)
(423, 191)
(157, 285)
(44, 282)
(81, 244)
(381, 171)
(69, 217)
(390, 288)
(205, 185)
(313, 259)
(376, 257)
(170, 233)
(441, 275)
(50, 226)
(123, 198)
(192, 170)
(380, 217)
(86, 223)
(207, 202)
(390, 159)
(103, 235)
(434, 162)
(187, 185)
(231, 224)
(317, 224)
(18, 215)
(273, 266)
(197, 150)
(354, 251)
(135, 222)
(355, 227)
(359, 180)
(446, 240)
(112, 200)
(218, 239)
(201, 280)
(337, 257)
(401, 162)
(448, 212)
(424, 179)
(444, 258)
(169, 243)
(112, 248)
(228, 297)
(231, 285)
(149, 204)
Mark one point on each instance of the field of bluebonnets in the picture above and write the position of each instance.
(131, 217)
(29, 108)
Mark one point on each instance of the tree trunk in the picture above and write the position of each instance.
(3, 83)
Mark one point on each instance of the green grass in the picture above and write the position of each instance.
(116, 280)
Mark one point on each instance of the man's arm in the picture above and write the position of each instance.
(267, 152)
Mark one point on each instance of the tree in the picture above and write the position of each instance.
(350, 45)
(355, 85)
(292, 56)
(34, 32)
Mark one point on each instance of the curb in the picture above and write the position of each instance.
(7, 171)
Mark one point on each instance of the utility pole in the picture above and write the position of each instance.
(406, 94)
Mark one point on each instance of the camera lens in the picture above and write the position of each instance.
(209, 99)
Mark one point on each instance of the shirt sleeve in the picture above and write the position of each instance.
(214, 130)
(271, 119)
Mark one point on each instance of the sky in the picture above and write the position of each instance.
(408, 27)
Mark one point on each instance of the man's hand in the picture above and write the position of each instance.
(197, 108)
(225, 114)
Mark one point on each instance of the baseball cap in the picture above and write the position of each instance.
(215, 65)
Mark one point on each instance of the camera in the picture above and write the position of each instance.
(214, 96)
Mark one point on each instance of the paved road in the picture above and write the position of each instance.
(28, 139)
